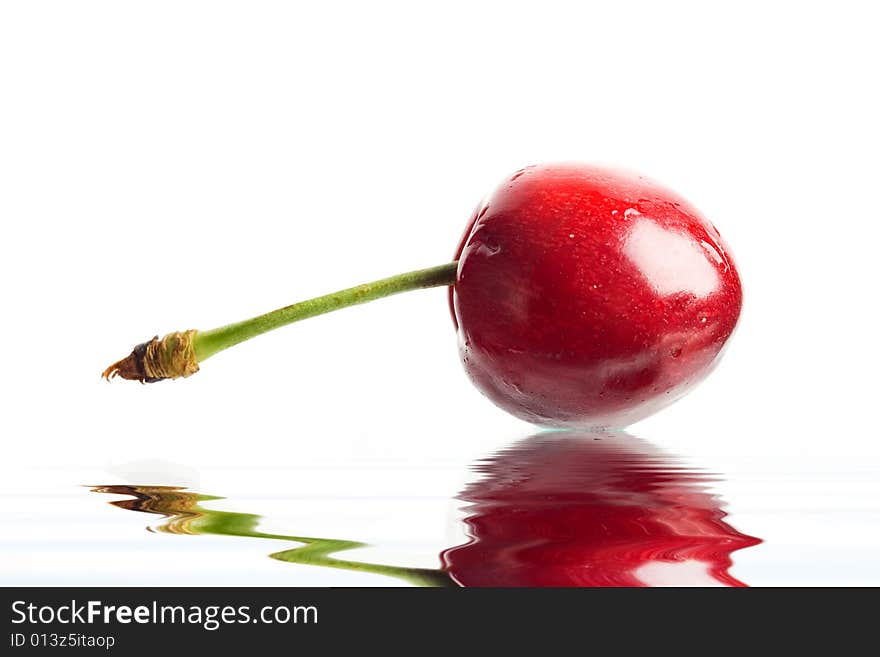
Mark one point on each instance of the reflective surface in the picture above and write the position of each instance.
(555, 509)
(547, 509)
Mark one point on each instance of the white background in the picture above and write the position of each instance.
(178, 165)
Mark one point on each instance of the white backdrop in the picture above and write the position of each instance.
(178, 165)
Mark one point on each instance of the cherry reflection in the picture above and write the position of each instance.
(592, 509)
(555, 509)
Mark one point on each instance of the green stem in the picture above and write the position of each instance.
(208, 343)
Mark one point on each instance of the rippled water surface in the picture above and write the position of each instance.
(553, 509)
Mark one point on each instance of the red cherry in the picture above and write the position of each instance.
(563, 510)
(583, 297)
(589, 297)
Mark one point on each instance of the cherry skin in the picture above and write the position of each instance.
(587, 297)
(574, 510)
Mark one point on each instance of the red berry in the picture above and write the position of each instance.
(571, 511)
(590, 297)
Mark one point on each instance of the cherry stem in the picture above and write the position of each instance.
(208, 343)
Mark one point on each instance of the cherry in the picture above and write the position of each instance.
(583, 297)
(587, 297)
(575, 510)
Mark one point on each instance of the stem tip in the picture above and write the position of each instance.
(171, 357)
(131, 367)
